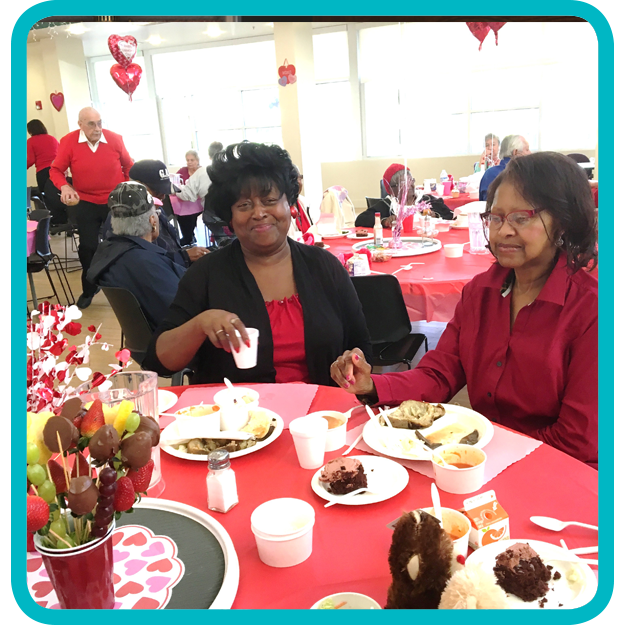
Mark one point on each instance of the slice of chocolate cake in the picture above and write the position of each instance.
(520, 571)
(343, 475)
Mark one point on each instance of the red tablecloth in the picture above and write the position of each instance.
(455, 202)
(432, 290)
(31, 229)
(350, 543)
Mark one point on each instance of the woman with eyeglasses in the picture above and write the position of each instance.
(524, 334)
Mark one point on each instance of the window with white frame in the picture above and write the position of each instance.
(428, 90)
(136, 120)
(222, 93)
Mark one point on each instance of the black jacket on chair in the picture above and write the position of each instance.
(366, 219)
(333, 317)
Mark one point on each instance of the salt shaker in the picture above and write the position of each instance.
(221, 483)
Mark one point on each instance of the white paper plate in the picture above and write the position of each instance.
(561, 591)
(415, 248)
(225, 596)
(336, 235)
(235, 454)
(166, 399)
(353, 237)
(386, 477)
(456, 227)
(452, 415)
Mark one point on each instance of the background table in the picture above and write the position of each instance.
(432, 290)
(351, 543)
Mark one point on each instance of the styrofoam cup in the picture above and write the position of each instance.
(309, 436)
(440, 189)
(245, 358)
(453, 250)
(459, 481)
(455, 524)
(336, 437)
(283, 529)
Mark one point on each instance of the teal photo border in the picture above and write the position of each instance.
(606, 285)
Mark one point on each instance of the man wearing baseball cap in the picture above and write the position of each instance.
(393, 180)
(130, 258)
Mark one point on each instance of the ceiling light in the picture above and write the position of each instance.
(213, 30)
(76, 29)
(270, 24)
(155, 40)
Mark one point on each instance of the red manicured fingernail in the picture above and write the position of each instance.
(248, 343)
(356, 357)
(347, 385)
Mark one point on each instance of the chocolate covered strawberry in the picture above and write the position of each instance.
(93, 420)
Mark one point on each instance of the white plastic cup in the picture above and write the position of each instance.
(456, 525)
(336, 437)
(245, 358)
(440, 189)
(309, 436)
(283, 529)
(453, 250)
(459, 481)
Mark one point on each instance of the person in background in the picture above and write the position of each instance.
(394, 179)
(524, 336)
(129, 257)
(154, 175)
(99, 161)
(41, 150)
(187, 212)
(299, 297)
(490, 155)
(197, 184)
(511, 147)
(301, 221)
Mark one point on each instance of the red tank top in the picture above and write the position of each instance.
(287, 327)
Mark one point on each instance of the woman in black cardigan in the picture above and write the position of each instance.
(299, 297)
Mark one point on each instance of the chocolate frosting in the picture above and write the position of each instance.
(338, 466)
(104, 444)
(67, 431)
(149, 425)
(514, 554)
(137, 450)
(82, 495)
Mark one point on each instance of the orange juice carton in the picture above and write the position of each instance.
(489, 521)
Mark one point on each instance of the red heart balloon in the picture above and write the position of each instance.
(57, 100)
(495, 26)
(286, 70)
(123, 49)
(479, 30)
(127, 79)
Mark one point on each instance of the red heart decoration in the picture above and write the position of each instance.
(285, 70)
(161, 565)
(32, 564)
(145, 603)
(42, 589)
(123, 355)
(135, 539)
(127, 79)
(57, 100)
(117, 537)
(123, 49)
(129, 588)
(495, 26)
(479, 31)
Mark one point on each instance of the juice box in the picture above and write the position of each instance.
(489, 521)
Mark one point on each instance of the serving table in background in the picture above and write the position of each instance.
(351, 543)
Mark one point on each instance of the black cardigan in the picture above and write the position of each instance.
(333, 317)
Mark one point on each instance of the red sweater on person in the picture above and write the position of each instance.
(41, 150)
(94, 174)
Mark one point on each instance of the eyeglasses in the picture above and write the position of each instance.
(517, 219)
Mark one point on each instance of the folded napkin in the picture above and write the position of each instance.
(505, 448)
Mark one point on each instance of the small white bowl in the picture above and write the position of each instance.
(336, 437)
(453, 250)
(459, 481)
(354, 601)
(224, 396)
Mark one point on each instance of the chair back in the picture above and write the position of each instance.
(383, 191)
(42, 234)
(134, 325)
(371, 201)
(384, 308)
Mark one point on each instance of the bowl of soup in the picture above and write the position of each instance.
(336, 435)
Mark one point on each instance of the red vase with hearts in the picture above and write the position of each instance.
(82, 576)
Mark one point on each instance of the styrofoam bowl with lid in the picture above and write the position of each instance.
(353, 601)
(336, 436)
(283, 529)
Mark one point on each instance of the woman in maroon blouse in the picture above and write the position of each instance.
(41, 150)
(524, 334)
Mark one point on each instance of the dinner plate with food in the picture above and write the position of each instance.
(418, 427)
(536, 574)
(195, 441)
(411, 246)
(382, 478)
(336, 235)
(360, 235)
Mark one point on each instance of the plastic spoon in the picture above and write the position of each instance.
(556, 526)
(445, 463)
(436, 503)
(343, 497)
(230, 388)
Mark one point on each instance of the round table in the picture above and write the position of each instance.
(351, 543)
(431, 290)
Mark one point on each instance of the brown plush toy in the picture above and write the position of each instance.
(420, 561)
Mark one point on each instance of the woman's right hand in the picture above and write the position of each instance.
(220, 327)
(352, 372)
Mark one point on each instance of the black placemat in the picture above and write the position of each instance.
(198, 548)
